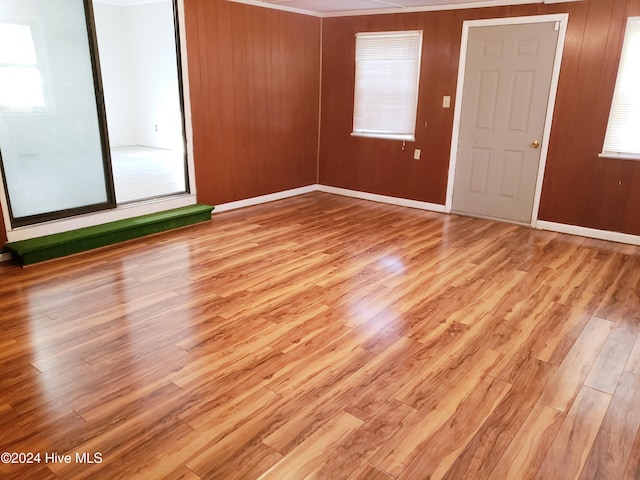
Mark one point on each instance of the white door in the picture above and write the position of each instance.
(507, 81)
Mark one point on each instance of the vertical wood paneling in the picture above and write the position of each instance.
(254, 76)
(579, 188)
(572, 146)
(254, 83)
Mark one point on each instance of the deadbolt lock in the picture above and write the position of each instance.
(535, 144)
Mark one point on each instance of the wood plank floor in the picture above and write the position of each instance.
(324, 337)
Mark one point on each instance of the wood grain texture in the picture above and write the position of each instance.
(325, 337)
(633, 364)
(569, 450)
(579, 187)
(525, 453)
(310, 454)
(613, 357)
(632, 471)
(528, 377)
(254, 78)
(615, 437)
(437, 454)
(577, 364)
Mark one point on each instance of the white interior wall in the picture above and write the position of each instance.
(152, 47)
(115, 64)
(139, 72)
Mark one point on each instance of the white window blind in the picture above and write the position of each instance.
(623, 131)
(386, 87)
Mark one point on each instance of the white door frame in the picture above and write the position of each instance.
(563, 20)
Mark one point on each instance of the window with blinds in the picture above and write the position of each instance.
(623, 131)
(386, 86)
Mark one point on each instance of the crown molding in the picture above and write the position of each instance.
(383, 11)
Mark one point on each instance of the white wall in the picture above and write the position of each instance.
(139, 71)
(115, 64)
(153, 50)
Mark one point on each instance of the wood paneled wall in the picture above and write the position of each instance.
(254, 77)
(579, 188)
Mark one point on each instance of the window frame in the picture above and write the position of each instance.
(411, 109)
(620, 78)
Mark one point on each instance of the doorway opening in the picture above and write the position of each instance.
(141, 80)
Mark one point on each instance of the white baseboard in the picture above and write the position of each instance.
(404, 202)
(589, 232)
(271, 197)
(374, 197)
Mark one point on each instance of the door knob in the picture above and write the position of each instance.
(535, 144)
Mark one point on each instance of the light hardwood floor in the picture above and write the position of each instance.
(329, 338)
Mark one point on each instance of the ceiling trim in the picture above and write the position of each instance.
(383, 11)
(273, 6)
(431, 8)
(127, 3)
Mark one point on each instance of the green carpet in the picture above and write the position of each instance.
(58, 245)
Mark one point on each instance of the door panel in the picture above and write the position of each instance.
(506, 91)
(487, 101)
(480, 158)
(511, 174)
(522, 89)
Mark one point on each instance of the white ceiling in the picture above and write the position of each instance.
(332, 8)
(324, 6)
(328, 8)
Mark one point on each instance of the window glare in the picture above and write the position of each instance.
(16, 44)
(20, 87)
(624, 119)
(20, 81)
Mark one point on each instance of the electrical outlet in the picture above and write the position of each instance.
(416, 154)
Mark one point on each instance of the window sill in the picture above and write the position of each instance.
(620, 156)
(404, 138)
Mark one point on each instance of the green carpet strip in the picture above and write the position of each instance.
(39, 249)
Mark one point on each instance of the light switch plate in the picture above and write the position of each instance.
(446, 101)
(416, 154)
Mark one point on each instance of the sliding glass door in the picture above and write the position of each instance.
(142, 94)
(53, 141)
(91, 106)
